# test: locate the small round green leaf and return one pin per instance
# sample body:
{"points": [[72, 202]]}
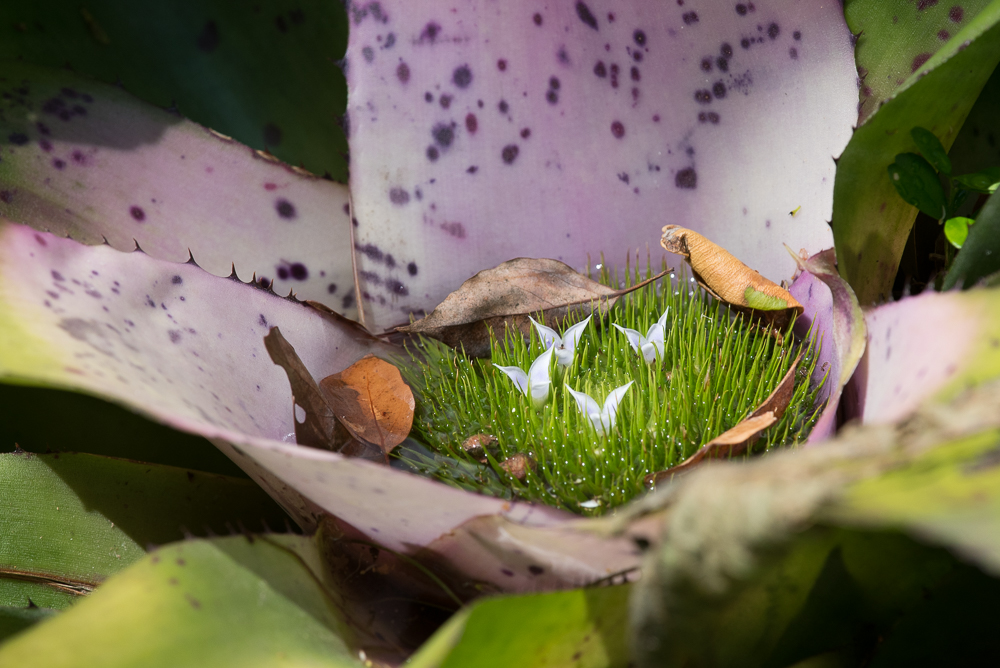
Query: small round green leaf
{"points": [[957, 230], [930, 147], [918, 184]]}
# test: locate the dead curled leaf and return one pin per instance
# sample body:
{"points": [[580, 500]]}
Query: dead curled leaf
{"points": [[366, 410], [735, 441], [729, 280], [320, 429], [504, 297], [371, 399]]}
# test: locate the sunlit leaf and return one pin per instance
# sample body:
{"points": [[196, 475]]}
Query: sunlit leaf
{"points": [[582, 627], [217, 381], [834, 317], [221, 602], [484, 135], [89, 161], [896, 38], [956, 230]]}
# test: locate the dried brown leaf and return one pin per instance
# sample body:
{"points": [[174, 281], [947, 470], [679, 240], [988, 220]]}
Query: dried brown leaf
{"points": [[320, 429], [735, 441], [725, 277], [372, 401], [504, 296]]}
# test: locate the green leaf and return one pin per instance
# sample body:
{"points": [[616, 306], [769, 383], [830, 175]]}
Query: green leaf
{"points": [[976, 147], [918, 184], [222, 602], [87, 424], [956, 230], [16, 619], [580, 627], [897, 37], [831, 549], [931, 148], [89, 161], [980, 255], [265, 74], [72, 520], [870, 222], [985, 181]]}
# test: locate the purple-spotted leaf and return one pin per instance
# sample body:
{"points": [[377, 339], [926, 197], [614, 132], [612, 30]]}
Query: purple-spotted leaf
{"points": [[896, 38], [564, 130], [87, 160], [934, 345], [833, 314], [187, 348]]}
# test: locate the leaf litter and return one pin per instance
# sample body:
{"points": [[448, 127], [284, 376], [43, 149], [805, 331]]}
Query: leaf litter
{"points": [[366, 410]]}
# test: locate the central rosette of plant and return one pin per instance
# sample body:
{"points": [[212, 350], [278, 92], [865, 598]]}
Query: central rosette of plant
{"points": [[585, 412]]}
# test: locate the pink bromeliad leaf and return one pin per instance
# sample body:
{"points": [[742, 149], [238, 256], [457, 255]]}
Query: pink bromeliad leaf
{"points": [[186, 348], [87, 160], [480, 132], [932, 346]]}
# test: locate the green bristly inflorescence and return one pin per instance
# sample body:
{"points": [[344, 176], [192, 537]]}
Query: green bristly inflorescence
{"points": [[717, 367]]}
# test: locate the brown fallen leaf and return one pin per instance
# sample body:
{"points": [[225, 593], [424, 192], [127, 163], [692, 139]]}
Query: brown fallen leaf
{"points": [[504, 297], [371, 399], [320, 429], [735, 441], [729, 280]]}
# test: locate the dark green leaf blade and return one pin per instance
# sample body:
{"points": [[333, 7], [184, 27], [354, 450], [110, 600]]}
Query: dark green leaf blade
{"points": [[931, 148], [984, 182], [980, 255], [265, 74], [917, 183], [73, 520]]}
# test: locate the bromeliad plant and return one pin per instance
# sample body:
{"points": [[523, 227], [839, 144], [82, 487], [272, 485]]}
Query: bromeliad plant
{"points": [[476, 135], [597, 429]]}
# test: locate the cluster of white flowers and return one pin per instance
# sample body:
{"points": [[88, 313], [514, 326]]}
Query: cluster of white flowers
{"points": [[537, 382]]}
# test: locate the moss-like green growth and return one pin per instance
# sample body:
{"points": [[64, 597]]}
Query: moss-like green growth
{"points": [[716, 368]]}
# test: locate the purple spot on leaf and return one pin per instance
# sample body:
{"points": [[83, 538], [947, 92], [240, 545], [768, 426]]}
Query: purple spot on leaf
{"points": [[285, 209], [137, 213]]}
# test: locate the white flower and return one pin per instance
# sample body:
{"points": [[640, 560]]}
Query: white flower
{"points": [[536, 383], [602, 419], [651, 345], [565, 345]]}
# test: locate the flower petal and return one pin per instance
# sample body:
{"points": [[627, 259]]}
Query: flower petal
{"points": [[539, 379], [588, 407], [609, 414], [548, 336], [517, 375]]}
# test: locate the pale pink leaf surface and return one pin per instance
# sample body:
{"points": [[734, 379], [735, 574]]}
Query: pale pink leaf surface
{"points": [[480, 132], [835, 318], [933, 345], [186, 348], [88, 160]]}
